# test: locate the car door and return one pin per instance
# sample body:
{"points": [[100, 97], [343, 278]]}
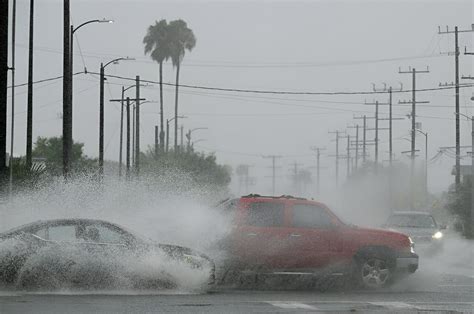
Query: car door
{"points": [[262, 235], [313, 235], [104, 239]]}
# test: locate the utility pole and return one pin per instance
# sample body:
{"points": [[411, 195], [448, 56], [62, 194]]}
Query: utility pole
{"points": [[101, 110], [356, 145], [472, 151], [243, 173], [472, 172], [390, 136], [364, 154], [318, 150], [156, 141], [128, 137], [273, 158], [121, 131], [390, 117], [456, 78], [338, 136], [29, 119], [122, 104], [377, 129], [67, 112], [348, 153], [413, 128], [4, 23], [357, 148], [295, 176], [133, 133], [365, 142], [137, 141], [182, 139], [101, 122], [12, 137], [167, 134]]}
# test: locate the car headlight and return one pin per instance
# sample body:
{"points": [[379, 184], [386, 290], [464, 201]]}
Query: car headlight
{"points": [[438, 235]]}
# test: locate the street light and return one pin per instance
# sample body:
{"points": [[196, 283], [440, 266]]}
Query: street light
{"points": [[188, 135], [71, 55], [168, 129], [101, 111], [68, 74]]}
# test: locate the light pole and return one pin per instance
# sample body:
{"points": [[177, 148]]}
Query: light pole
{"points": [[67, 107], [101, 112], [188, 135], [168, 129], [426, 162], [73, 30]]}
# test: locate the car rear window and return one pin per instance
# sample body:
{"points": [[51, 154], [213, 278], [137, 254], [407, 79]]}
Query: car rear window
{"points": [[265, 214], [310, 216]]}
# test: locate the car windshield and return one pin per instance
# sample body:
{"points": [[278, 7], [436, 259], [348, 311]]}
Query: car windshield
{"points": [[411, 221]]}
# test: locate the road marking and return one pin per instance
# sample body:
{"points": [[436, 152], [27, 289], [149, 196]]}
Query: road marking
{"points": [[8, 294], [292, 305], [394, 305], [456, 285]]}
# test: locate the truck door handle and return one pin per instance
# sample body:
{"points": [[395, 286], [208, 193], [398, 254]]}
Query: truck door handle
{"points": [[251, 234], [295, 235]]}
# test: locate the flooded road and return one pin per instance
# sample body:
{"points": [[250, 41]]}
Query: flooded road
{"points": [[444, 292]]}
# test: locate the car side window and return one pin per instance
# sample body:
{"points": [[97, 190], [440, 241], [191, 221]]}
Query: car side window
{"points": [[265, 214], [62, 233], [102, 234], [42, 233], [310, 216]]}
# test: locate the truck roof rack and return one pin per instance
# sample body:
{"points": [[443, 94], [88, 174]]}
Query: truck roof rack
{"points": [[276, 197]]}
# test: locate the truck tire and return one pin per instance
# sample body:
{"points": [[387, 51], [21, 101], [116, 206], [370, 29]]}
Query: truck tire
{"points": [[373, 270]]}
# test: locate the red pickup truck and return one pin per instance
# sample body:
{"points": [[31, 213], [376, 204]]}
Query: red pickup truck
{"points": [[287, 235]]}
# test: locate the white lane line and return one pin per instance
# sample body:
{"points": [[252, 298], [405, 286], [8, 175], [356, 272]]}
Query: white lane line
{"points": [[292, 305], [9, 294], [394, 305], [456, 285]]}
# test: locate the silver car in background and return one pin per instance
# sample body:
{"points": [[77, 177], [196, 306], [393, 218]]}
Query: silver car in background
{"points": [[421, 227]]}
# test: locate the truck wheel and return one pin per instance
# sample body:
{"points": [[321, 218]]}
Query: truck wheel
{"points": [[373, 271]]}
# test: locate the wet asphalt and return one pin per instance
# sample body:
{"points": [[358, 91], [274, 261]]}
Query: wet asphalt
{"points": [[423, 292]]}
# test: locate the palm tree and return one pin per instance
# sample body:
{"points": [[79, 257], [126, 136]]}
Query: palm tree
{"points": [[157, 44], [181, 39]]}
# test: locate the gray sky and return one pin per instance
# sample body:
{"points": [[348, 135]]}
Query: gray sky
{"points": [[281, 46]]}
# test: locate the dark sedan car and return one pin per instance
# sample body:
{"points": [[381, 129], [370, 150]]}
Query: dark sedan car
{"points": [[86, 253]]}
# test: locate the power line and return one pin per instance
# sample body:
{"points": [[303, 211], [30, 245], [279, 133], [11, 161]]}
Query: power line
{"points": [[231, 64], [45, 80], [254, 91]]}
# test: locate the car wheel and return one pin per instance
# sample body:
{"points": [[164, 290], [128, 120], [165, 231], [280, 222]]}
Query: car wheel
{"points": [[374, 272]]}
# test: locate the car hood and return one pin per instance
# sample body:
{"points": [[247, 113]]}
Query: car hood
{"points": [[415, 232], [380, 235]]}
